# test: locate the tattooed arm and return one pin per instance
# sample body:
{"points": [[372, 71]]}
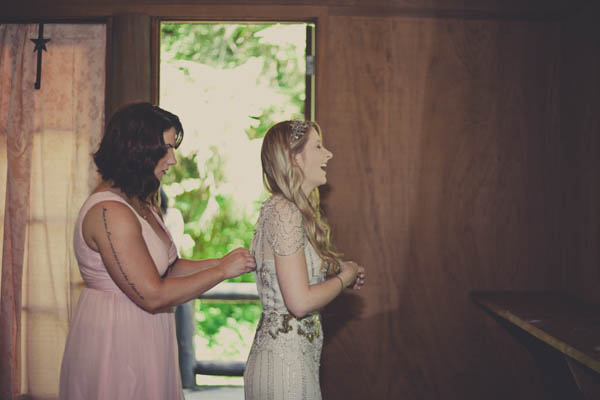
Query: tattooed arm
{"points": [[113, 230]]}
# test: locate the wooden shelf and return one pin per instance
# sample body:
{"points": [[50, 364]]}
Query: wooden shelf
{"points": [[565, 323]]}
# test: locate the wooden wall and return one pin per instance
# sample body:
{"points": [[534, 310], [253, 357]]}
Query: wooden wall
{"points": [[465, 157], [445, 134], [580, 131]]}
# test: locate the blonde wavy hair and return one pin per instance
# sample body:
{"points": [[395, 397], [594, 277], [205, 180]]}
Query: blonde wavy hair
{"points": [[282, 175]]}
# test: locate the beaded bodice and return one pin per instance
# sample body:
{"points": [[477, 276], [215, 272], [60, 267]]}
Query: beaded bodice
{"points": [[279, 231], [286, 352]]}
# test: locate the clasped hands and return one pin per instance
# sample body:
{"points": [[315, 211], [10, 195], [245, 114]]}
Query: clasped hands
{"points": [[358, 273]]}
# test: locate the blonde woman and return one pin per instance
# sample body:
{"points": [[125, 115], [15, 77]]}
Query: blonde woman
{"points": [[298, 272]]}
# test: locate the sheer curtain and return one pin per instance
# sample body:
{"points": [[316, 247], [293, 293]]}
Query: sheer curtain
{"points": [[46, 140]]}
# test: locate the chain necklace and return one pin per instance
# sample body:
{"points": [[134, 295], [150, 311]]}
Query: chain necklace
{"points": [[142, 211]]}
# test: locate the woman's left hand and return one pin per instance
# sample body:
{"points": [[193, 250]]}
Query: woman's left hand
{"points": [[360, 278]]}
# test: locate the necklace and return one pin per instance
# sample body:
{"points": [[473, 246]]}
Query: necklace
{"points": [[142, 210], [145, 213]]}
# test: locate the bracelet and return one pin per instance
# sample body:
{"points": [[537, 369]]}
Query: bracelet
{"points": [[341, 282]]}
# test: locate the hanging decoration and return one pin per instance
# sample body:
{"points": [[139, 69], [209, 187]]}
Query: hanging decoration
{"points": [[40, 44]]}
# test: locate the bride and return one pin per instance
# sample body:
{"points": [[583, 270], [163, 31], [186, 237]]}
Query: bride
{"points": [[298, 272]]}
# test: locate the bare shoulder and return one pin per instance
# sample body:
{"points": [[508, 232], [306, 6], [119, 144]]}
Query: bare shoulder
{"points": [[108, 216]]}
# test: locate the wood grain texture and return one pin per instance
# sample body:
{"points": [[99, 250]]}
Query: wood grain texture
{"points": [[559, 320], [129, 61], [580, 128], [446, 150], [535, 9], [466, 157]]}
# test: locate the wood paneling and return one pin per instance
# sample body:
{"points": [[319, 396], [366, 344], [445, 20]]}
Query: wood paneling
{"points": [[445, 138], [197, 8], [580, 130], [129, 61], [466, 157]]}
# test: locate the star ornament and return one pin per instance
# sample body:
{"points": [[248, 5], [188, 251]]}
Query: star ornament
{"points": [[40, 44]]}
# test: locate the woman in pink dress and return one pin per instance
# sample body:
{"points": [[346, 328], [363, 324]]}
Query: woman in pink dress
{"points": [[121, 343]]}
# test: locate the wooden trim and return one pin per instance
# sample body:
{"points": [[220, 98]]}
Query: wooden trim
{"points": [[171, 12], [107, 75], [309, 79], [130, 67], [320, 80], [155, 60], [231, 292], [421, 12], [40, 19], [247, 11], [220, 368]]}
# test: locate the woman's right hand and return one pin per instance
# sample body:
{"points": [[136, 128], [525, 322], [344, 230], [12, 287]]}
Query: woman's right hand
{"points": [[237, 262]]}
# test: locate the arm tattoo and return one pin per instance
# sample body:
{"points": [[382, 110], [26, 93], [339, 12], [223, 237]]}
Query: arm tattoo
{"points": [[108, 234]]}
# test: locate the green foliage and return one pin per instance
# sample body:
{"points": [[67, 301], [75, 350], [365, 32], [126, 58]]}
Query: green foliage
{"points": [[224, 233], [184, 169], [231, 45], [211, 317], [214, 44]]}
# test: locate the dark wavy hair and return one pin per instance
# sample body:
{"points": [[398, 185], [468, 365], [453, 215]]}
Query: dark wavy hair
{"points": [[132, 145]]}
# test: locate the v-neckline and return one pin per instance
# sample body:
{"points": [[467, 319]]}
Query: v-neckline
{"points": [[161, 225]]}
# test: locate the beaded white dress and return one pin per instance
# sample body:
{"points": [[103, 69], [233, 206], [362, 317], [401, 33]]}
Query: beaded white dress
{"points": [[284, 360]]}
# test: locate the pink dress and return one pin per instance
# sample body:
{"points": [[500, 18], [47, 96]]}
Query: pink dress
{"points": [[115, 350]]}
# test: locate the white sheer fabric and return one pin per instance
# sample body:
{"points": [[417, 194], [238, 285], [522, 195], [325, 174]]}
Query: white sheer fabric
{"points": [[58, 127]]}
